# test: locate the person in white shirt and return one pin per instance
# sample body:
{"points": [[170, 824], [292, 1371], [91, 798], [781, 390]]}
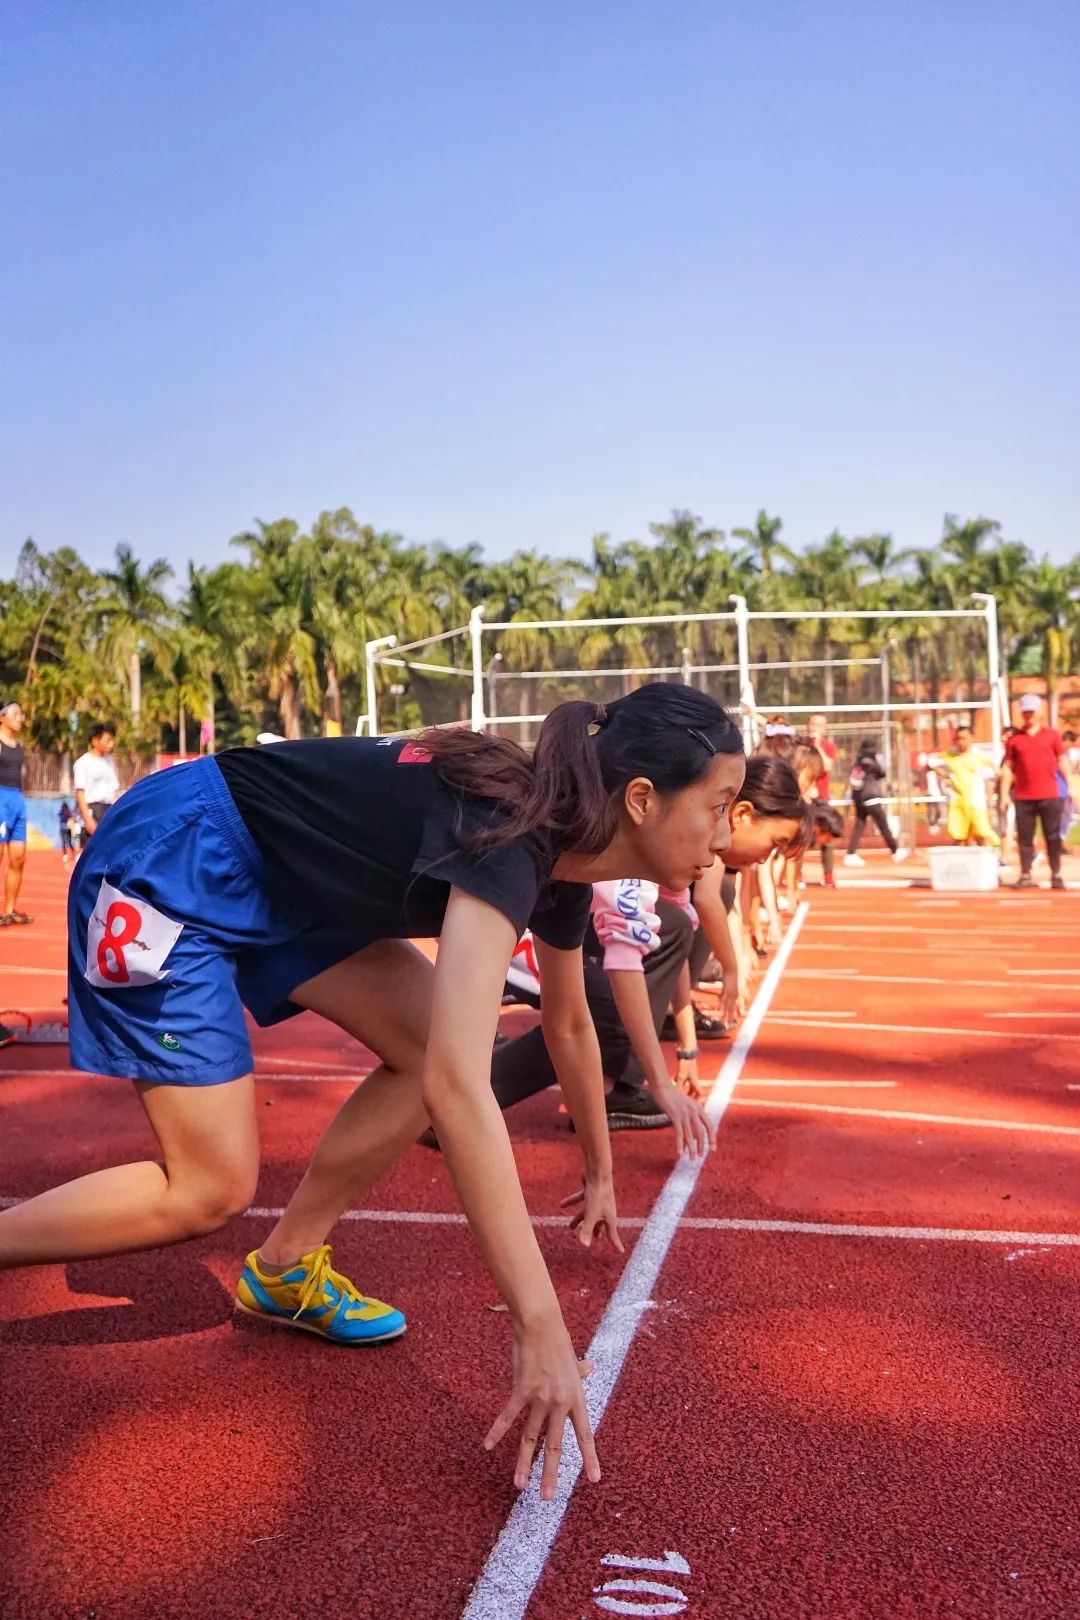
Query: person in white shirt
{"points": [[97, 785]]}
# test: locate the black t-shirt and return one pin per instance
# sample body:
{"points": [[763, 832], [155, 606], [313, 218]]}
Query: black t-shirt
{"points": [[11, 765], [359, 835]]}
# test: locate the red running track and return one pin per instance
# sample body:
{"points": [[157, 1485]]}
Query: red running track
{"points": [[829, 1409]]}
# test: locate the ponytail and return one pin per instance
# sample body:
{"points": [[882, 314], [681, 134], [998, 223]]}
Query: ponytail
{"points": [[585, 756]]}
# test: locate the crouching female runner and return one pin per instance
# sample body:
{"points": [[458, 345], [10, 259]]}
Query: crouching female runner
{"points": [[293, 877]]}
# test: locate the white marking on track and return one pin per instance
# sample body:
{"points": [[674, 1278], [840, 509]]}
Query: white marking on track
{"points": [[927, 1234], [1034, 973], [914, 1032], [702, 1223], [517, 1560], [922, 1119], [813, 1012], [990, 984], [830, 1085], [1042, 1012]]}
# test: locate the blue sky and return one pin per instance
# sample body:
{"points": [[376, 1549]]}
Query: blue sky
{"points": [[517, 273]]}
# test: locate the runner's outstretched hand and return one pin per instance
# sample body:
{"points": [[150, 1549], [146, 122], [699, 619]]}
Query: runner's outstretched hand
{"points": [[694, 1130], [548, 1388], [597, 1216]]}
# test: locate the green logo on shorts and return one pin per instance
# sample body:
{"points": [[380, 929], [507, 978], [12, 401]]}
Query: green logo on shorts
{"points": [[169, 1042]]}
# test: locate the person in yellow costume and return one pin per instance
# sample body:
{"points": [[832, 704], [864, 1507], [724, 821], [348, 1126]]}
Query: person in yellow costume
{"points": [[965, 772]]}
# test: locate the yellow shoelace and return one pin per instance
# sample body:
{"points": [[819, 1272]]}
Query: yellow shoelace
{"points": [[321, 1273]]}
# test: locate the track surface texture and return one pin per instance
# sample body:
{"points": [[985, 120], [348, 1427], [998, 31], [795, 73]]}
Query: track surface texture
{"points": [[849, 1385]]}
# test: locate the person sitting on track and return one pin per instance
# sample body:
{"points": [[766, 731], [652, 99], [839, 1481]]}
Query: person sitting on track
{"points": [[626, 978], [294, 877]]}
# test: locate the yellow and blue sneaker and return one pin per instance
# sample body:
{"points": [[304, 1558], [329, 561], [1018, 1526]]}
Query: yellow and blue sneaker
{"points": [[313, 1296]]}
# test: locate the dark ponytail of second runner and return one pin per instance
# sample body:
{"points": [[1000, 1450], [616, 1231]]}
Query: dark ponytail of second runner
{"points": [[585, 756]]}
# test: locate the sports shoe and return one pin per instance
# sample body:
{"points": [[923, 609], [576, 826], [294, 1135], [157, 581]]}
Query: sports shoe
{"points": [[854, 860], [1057, 882], [708, 1028], [16, 917], [318, 1299], [828, 881], [629, 1108], [1024, 881], [900, 855]]}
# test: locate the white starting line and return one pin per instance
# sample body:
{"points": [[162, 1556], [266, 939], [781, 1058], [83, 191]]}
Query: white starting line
{"points": [[517, 1560]]}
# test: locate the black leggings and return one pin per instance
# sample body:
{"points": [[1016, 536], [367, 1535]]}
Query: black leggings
{"points": [[1048, 811], [523, 1067], [875, 813]]}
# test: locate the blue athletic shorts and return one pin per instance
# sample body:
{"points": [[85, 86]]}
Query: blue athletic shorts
{"points": [[172, 932], [12, 816]]}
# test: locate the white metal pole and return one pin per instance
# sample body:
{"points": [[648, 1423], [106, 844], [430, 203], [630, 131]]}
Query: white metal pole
{"points": [[885, 693], [999, 716], [476, 633], [370, 650], [746, 690]]}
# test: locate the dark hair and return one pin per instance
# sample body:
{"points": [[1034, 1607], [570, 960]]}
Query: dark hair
{"points": [[868, 746], [103, 730], [1068, 736], [584, 757], [807, 757], [771, 788], [827, 819]]}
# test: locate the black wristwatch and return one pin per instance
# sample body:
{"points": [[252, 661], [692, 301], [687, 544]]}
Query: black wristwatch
{"points": [[686, 1054]]}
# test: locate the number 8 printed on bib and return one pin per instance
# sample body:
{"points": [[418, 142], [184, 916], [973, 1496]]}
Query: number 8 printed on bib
{"points": [[127, 941]]}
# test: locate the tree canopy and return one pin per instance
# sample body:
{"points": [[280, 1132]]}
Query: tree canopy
{"points": [[272, 637]]}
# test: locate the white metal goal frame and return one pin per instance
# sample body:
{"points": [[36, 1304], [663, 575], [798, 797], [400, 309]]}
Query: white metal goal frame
{"points": [[475, 678]]}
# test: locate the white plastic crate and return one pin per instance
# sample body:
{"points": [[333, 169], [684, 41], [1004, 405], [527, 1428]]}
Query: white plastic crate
{"points": [[963, 866]]}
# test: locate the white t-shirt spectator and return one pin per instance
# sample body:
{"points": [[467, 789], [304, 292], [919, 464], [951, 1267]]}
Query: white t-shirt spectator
{"points": [[95, 775]]}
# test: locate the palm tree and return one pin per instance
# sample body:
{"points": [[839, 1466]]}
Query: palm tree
{"points": [[282, 640], [216, 614], [763, 543], [136, 616]]}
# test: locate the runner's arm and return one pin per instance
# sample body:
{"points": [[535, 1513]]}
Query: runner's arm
{"points": [[570, 1037], [714, 920], [693, 1129], [474, 950]]}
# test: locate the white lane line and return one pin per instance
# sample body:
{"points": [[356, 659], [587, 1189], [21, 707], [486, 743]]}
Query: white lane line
{"points": [[59, 973], [885, 947], [914, 1032], [517, 1560], [830, 1085], [889, 929], [1034, 973], [897, 1113], [995, 986], [932, 1234], [296, 1064], [1042, 1012], [814, 1012], [701, 1223]]}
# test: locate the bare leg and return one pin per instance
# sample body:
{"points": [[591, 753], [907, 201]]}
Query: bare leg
{"points": [[14, 876], [210, 1145], [382, 996]]}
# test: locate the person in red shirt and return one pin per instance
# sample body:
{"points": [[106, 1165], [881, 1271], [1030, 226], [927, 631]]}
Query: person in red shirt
{"points": [[1034, 758], [818, 730]]}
